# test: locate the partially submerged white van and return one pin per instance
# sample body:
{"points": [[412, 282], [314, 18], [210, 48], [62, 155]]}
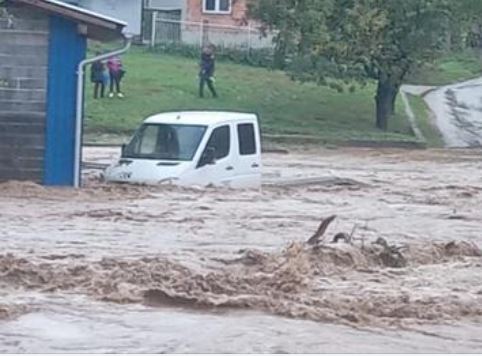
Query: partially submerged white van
{"points": [[193, 148]]}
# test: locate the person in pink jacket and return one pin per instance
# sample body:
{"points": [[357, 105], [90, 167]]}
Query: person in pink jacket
{"points": [[116, 73]]}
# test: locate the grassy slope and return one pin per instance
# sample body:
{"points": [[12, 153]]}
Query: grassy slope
{"points": [[448, 70], [156, 83], [428, 128]]}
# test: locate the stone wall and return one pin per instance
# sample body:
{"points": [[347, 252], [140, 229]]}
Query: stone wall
{"points": [[23, 89]]}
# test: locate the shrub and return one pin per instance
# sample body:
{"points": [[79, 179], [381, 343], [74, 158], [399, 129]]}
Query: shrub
{"points": [[262, 57]]}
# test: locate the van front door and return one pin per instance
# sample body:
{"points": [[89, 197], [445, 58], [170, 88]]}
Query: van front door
{"points": [[248, 162], [216, 163]]}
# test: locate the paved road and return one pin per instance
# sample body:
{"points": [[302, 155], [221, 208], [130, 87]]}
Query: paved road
{"points": [[457, 109]]}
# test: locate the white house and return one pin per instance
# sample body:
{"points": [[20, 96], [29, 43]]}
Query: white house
{"points": [[137, 13], [129, 11]]}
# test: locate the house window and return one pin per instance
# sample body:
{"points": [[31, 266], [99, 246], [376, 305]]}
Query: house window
{"points": [[217, 6]]}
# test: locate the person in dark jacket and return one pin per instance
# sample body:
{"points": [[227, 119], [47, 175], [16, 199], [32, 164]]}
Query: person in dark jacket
{"points": [[206, 75], [97, 77]]}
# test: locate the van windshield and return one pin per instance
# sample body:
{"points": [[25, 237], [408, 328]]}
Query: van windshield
{"points": [[165, 142]]}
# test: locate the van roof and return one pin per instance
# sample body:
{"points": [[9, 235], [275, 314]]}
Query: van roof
{"points": [[199, 117]]}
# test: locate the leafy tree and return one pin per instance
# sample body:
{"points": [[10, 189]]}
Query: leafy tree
{"points": [[295, 22], [361, 40], [472, 22]]}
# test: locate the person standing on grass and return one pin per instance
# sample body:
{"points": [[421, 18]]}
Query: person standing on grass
{"points": [[206, 75], [116, 72], [97, 77], [106, 75]]}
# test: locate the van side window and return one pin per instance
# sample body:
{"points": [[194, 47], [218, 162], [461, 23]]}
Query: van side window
{"points": [[220, 141], [247, 140]]}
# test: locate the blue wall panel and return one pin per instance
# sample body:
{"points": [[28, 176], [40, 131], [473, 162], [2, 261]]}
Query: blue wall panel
{"points": [[66, 49]]}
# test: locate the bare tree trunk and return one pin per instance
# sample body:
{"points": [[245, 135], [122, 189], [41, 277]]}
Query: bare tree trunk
{"points": [[479, 27], [398, 84], [279, 61], [385, 101], [394, 99]]}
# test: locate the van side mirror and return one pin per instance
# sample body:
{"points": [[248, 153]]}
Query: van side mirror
{"points": [[123, 150]]}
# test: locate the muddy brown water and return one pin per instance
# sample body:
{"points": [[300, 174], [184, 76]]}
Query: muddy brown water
{"points": [[139, 269]]}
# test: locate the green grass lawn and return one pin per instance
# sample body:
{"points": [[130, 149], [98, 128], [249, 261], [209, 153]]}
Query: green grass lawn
{"points": [[425, 122], [156, 83], [450, 69]]}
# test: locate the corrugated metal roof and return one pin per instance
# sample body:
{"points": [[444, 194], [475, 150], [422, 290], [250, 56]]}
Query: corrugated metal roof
{"points": [[99, 26]]}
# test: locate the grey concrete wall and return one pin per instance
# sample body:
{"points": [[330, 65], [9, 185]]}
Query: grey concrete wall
{"points": [[23, 87]]}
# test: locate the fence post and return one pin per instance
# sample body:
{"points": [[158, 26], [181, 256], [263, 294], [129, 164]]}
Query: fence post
{"points": [[201, 34], [249, 39], [153, 29]]}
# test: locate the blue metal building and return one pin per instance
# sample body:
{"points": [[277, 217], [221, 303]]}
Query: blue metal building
{"points": [[42, 46]]}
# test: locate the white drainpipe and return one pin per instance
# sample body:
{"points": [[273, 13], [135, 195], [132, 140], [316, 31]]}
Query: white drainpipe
{"points": [[79, 120]]}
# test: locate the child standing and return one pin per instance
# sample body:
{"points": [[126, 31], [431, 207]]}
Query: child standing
{"points": [[106, 75], [97, 77], [116, 72]]}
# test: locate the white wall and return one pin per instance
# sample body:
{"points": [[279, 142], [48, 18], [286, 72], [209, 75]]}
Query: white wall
{"points": [[129, 11]]}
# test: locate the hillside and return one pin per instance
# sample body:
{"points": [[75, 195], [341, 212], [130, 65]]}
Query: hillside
{"points": [[156, 82]]}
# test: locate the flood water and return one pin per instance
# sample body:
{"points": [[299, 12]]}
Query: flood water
{"points": [[139, 269]]}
